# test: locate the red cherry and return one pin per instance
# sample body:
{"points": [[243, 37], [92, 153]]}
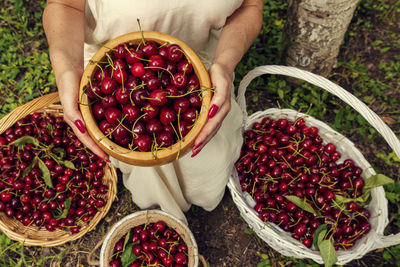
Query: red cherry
{"points": [[108, 85], [174, 53], [143, 142], [132, 56], [113, 115], [156, 61], [179, 80], [158, 97], [138, 69], [167, 116], [131, 113], [122, 95]]}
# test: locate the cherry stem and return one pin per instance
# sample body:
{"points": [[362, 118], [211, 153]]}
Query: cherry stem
{"points": [[189, 92], [179, 140], [141, 59], [154, 147], [134, 124], [160, 68], [141, 32], [109, 134]]}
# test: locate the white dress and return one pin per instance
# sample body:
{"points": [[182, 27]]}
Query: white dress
{"points": [[200, 180]]}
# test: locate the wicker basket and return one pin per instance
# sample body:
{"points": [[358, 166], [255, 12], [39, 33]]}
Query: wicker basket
{"points": [[30, 235], [149, 216], [277, 238], [135, 157]]}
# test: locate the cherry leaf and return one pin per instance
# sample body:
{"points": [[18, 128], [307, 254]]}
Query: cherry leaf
{"points": [[127, 256], [67, 205], [377, 180], [127, 238], [301, 203], [341, 200], [68, 164], [328, 252], [45, 173], [60, 152], [319, 235], [29, 167], [25, 140]]}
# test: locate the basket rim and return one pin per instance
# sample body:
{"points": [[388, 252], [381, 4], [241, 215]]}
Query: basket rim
{"points": [[146, 158]]}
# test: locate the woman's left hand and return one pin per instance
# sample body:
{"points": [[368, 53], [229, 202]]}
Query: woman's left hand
{"points": [[239, 32], [220, 105]]}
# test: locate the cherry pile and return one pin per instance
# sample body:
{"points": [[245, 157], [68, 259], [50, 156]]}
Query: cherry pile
{"points": [[151, 244], [48, 179], [145, 97], [282, 160]]}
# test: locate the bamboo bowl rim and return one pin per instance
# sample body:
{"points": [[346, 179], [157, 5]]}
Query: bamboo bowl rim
{"points": [[135, 157], [30, 235]]}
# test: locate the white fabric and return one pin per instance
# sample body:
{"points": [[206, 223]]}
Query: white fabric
{"points": [[200, 180]]}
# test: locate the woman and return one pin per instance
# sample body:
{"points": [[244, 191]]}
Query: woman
{"points": [[219, 31]]}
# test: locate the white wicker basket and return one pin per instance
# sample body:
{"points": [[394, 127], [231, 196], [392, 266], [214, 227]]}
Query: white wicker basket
{"points": [[274, 236]]}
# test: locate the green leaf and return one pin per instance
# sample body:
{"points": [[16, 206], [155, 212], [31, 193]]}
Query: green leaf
{"points": [[25, 140], [281, 93], [67, 205], [340, 200], [29, 167], [301, 203], [377, 180], [319, 234], [60, 152], [249, 231], [127, 256], [68, 164], [328, 252], [127, 238], [45, 173]]}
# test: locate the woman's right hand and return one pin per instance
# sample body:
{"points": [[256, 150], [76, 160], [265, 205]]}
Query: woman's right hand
{"points": [[69, 97], [63, 22]]}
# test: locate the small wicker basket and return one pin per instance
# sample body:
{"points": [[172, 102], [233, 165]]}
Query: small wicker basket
{"points": [[277, 238], [149, 216], [135, 157], [30, 235]]}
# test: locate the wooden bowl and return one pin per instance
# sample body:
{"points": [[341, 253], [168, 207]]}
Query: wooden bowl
{"points": [[135, 157]]}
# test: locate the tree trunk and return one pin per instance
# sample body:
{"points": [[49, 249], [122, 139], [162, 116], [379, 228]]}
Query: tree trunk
{"points": [[314, 32]]}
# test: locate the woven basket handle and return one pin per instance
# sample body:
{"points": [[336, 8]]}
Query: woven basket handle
{"points": [[351, 100], [30, 107]]}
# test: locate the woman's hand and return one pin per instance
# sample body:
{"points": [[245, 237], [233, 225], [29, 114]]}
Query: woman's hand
{"points": [[239, 32], [63, 22], [69, 97], [219, 107]]}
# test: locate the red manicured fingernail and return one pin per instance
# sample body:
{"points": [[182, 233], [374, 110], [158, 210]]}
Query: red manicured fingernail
{"points": [[213, 110], [80, 126], [197, 146], [195, 153]]}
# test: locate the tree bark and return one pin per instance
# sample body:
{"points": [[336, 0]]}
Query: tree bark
{"points": [[314, 31]]}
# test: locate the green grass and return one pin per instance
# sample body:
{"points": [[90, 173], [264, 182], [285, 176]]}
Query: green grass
{"points": [[25, 70], [25, 73]]}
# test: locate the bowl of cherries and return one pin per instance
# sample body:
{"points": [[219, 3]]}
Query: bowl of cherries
{"points": [[149, 238], [144, 97]]}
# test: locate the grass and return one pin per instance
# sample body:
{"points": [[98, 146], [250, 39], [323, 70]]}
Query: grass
{"points": [[368, 66]]}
